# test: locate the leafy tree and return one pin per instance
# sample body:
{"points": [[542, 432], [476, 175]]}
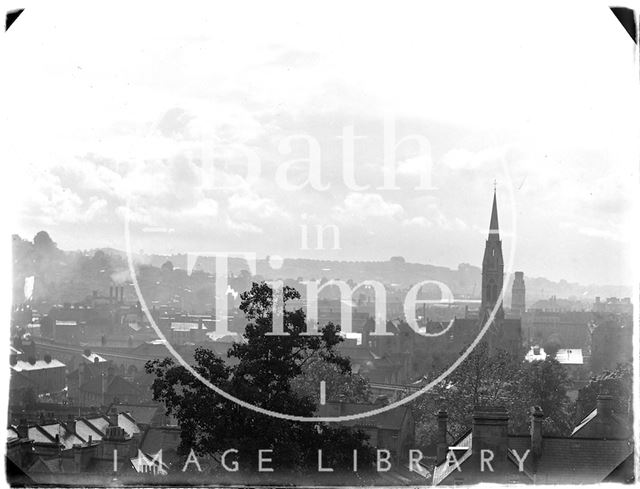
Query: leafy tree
{"points": [[543, 384], [485, 378], [263, 376], [552, 344], [43, 242], [617, 383], [340, 386], [492, 378]]}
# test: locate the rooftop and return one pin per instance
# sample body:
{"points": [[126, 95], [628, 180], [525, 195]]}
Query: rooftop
{"points": [[23, 366], [565, 356]]}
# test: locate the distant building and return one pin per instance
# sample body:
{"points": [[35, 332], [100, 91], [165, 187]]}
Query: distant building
{"points": [[613, 305], [611, 343], [571, 327], [518, 294], [96, 387], [553, 304], [43, 376], [504, 334], [571, 359], [492, 268]]}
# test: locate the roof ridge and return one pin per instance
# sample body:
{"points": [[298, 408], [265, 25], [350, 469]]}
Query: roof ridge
{"points": [[92, 426], [45, 433]]}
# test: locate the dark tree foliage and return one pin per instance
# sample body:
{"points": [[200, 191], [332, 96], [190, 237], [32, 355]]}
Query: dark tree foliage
{"points": [[495, 378], [552, 344], [617, 383], [543, 384], [266, 366], [339, 387]]}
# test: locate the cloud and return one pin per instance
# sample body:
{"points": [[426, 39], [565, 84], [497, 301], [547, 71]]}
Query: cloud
{"points": [[602, 233], [247, 204], [363, 205]]}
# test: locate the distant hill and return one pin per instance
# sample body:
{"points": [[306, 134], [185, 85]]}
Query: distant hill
{"points": [[71, 275]]}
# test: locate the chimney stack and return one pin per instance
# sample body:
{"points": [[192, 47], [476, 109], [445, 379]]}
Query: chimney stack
{"points": [[490, 431], [604, 403], [442, 445], [537, 415], [71, 424], [77, 458], [113, 417], [605, 423], [104, 388], [23, 429]]}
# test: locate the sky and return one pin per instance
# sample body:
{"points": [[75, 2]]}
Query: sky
{"points": [[155, 112]]}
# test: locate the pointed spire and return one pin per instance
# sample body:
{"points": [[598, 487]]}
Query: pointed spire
{"points": [[493, 226]]}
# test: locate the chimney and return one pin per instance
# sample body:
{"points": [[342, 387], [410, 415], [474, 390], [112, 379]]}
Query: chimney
{"points": [[490, 431], [77, 458], [80, 377], [114, 433], [104, 387], [23, 429], [71, 424], [605, 424], [537, 415], [442, 446], [604, 403], [113, 417]]}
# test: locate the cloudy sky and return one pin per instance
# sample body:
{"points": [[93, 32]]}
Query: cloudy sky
{"points": [[156, 111]]}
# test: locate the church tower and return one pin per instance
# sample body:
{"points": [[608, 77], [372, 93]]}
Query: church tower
{"points": [[518, 294], [492, 267]]}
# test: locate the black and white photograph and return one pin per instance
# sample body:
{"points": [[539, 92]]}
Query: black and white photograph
{"points": [[320, 243]]}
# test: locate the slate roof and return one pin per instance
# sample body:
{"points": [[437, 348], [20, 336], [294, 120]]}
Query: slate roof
{"points": [[594, 426], [563, 460], [142, 413], [96, 426], [574, 460], [46, 433], [442, 471], [165, 438]]}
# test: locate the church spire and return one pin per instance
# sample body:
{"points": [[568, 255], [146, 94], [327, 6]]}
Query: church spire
{"points": [[493, 226], [492, 266]]}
